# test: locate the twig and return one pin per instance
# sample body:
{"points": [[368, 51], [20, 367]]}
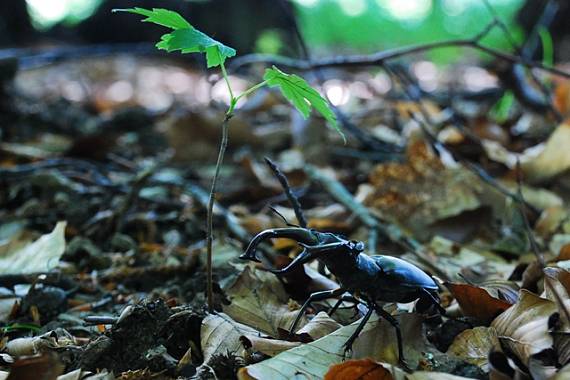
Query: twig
{"points": [[55, 163], [31, 58], [293, 200], [525, 91], [91, 320], [387, 55]]}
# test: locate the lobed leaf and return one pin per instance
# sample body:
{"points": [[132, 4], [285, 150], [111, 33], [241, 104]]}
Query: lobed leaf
{"points": [[194, 41], [185, 37], [297, 91], [164, 17]]}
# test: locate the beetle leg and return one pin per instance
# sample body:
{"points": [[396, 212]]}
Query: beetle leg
{"points": [[347, 298], [318, 296], [356, 333], [394, 322], [430, 297]]}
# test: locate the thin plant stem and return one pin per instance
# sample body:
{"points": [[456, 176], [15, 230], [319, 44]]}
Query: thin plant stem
{"points": [[210, 213], [226, 79], [250, 90], [212, 195]]}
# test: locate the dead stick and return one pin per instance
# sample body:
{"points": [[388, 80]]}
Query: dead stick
{"points": [[386, 55], [287, 189]]}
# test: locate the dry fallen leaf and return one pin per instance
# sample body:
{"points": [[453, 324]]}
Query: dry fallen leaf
{"points": [[553, 159], [41, 367], [523, 328], [476, 302], [220, 334], [376, 341], [267, 346], [38, 256], [321, 325], [422, 191], [259, 300], [559, 288], [50, 341], [474, 345], [365, 369]]}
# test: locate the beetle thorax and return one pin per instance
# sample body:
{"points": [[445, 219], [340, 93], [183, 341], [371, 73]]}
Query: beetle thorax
{"points": [[340, 263]]}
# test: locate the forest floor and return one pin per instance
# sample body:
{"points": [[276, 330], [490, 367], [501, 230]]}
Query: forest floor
{"points": [[105, 168]]}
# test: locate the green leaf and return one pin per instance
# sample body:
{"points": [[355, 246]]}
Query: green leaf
{"points": [[185, 37], [194, 41], [160, 16], [301, 95]]}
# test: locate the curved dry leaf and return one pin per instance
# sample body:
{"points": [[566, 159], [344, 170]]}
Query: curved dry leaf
{"points": [[505, 290], [550, 220], [50, 341], [39, 256], [321, 325], [476, 302], [562, 374], [558, 288], [560, 280], [259, 300], [364, 369], [474, 345], [376, 341], [552, 160], [381, 344], [523, 328], [220, 334], [41, 367], [540, 369], [267, 346]]}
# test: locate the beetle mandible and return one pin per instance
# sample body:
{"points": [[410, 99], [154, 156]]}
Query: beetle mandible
{"points": [[371, 279]]}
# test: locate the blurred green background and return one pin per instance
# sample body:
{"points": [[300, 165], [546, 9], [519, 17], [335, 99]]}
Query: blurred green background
{"points": [[349, 26]]}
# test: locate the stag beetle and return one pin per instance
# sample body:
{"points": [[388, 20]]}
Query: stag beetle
{"points": [[368, 278]]}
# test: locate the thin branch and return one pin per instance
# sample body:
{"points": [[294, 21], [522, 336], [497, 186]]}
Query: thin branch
{"points": [[210, 212], [520, 52], [387, 55], [293, 200]]}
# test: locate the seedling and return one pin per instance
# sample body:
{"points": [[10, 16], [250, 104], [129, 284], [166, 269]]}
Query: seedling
{"points": [[187, 39]]}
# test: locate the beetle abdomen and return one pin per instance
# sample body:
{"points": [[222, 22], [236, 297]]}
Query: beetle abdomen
{"points": [[403, 273]]}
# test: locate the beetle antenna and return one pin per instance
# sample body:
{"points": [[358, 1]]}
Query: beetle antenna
{"points": [[282, 217]]}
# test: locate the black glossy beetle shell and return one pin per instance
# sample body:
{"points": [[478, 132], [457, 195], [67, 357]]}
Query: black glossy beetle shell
{"points": [[403, 273]]}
